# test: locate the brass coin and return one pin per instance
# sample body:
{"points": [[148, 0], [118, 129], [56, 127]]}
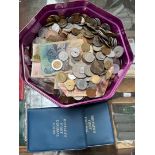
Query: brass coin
{"points": [[61, 77], [75, 31], [108, 63], [91, 92], [85, 47], [105, 50], [97, 67], [70, 85], [95, 79]]}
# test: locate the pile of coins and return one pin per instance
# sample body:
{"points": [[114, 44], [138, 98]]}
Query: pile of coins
{"points": [[92, 66]]}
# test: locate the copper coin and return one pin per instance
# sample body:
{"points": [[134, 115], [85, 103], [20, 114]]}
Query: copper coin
{"points": [[106, 50], [75, 31], [62, 23], [85, 47], [97, 67], [91, 92], [76, 18]]}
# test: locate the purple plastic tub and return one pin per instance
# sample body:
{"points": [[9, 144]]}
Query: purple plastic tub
{"points": [[30, 31]]}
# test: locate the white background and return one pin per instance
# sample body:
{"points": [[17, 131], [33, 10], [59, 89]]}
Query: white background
{"points": [[145, 77]]}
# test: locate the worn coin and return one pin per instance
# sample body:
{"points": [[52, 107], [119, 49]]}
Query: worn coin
{"points": [[111, 55], [97, 67], [68, 28], [95, 79], [87, 70], [106, 26], [78, 98], [55, 27], [61, 77], [88, 57], [70, 85], [116, 68], [118, 51], [97, 49], [108, 63], [63, 56], [62, 23], [91, 92], [57, 64], [81, 84], [106, 50], [85, 47], [100, 56], [97, 42], [75, 31], [78, 70], [88, 34]]}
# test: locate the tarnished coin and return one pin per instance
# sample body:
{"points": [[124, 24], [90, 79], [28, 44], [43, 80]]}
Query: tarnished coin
{"points": [[70, 85], [95, 79], [97, 49], [57, 64], [97, 42], [91, 92], [63, 35], [61, 77], [108, 63], [76, 26], [93, 22], [97, 67], [68, 28], [81, 84], [53, 18], [62, 23], [88, 57], [78, 70], [106, 50], [116, 68], [87, 70], [76, 18], [100, 56], [63, 56], [75, 31], [111, 55], [119, 50], [106, 26], [88, 34], [75, 52], [85, 47]]}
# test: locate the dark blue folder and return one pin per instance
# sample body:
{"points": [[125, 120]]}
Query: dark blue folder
{"points": [[68, 129]]}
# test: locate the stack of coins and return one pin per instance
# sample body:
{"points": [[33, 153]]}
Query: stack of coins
{"points": [[83, 68]]}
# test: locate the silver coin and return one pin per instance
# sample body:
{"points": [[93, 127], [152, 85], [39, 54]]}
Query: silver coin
{"points": [[87, 71], [116, 68], [100, 56], [78, 98], [81, 84], [68, 28], [77, 26], [89, 57], [82, 21], [97, 49], [75, 52], [77, 70], [112, 54], [108, 59], [119, 50], [63, 56], [71, 76], [55, 27]]}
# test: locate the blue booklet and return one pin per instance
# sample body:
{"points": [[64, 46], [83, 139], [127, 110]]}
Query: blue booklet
{"points": [[69, 129]]}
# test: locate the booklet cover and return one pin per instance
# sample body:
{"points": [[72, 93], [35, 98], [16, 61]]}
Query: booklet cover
{"points": [[69, 129]]}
